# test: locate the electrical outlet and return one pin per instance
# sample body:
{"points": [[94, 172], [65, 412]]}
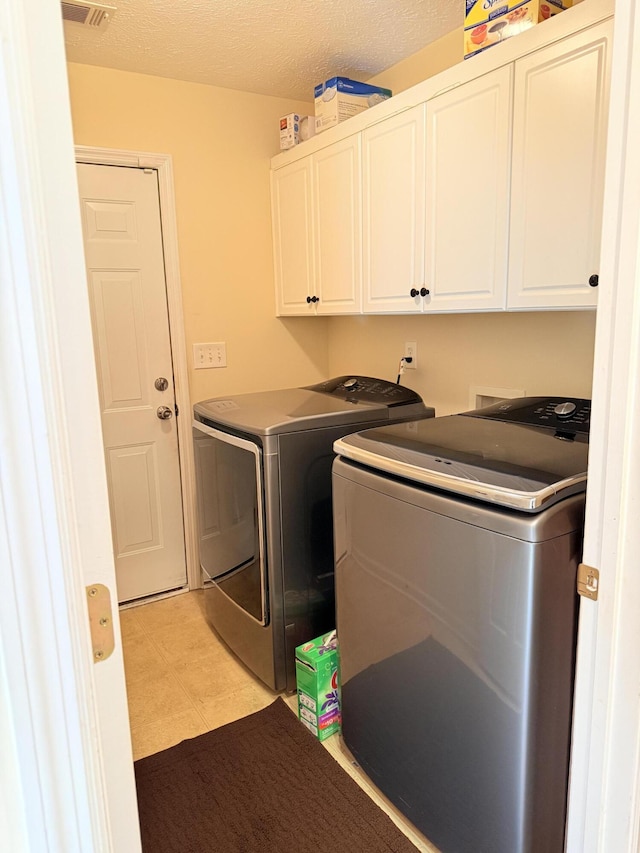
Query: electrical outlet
{"points": [[209, 355], [411, 351]]}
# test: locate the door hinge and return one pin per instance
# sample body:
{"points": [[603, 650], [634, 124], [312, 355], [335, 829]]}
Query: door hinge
{"points": [[588, 581], [100, 621], [177, 412]]}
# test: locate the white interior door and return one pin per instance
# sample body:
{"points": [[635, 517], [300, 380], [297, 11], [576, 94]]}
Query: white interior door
{"points": [[125, 273]]}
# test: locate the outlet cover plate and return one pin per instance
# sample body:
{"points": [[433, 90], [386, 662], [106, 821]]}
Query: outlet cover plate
{"points": [[411, 351]]}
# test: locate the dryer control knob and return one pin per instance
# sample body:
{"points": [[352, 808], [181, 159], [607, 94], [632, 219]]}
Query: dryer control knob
{"points": [[350, 383], [564, 410]]}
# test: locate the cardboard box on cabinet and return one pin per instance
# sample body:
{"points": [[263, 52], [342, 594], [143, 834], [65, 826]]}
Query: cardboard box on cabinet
{"points": [[340, 98], [488, 22], [296, 128]]}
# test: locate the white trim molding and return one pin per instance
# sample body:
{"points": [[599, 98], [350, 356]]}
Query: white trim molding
{"points": [[64, 786], [163, 165], [604, 791]]}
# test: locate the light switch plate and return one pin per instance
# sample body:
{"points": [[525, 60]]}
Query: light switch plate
{"points": [[210, 355]]}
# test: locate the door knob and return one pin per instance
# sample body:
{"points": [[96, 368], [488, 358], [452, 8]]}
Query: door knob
{"points": [[414, 292], [424, 291], [161, 384], [164, 413]]}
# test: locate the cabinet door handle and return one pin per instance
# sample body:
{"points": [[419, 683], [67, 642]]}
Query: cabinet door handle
{"points": [[414, 292], [424, 291], [594, 280], [313, 299]]}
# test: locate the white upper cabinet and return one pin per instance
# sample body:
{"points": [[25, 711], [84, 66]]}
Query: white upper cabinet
{"points": [[317, 232], [337, 192], [393, 212], [467, 185], [292, 215], [559, 138], [436, 214], [480, 189]]}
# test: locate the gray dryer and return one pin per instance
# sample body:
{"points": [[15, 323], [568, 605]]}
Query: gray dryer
{"points": [[263, 475]]}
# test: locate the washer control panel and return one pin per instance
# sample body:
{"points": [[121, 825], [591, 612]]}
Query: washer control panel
{"points": [[564, 414], [367, 389]]}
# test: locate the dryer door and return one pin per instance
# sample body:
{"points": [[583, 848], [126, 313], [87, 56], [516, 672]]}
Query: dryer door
{"points": [[229, 481]]}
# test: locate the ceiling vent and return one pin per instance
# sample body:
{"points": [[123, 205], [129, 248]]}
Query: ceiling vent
{"points": [[94, 15]]}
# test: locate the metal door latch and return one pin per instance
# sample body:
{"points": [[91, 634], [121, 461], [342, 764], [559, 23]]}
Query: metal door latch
{"points": [[588, 581], [100, 621]]}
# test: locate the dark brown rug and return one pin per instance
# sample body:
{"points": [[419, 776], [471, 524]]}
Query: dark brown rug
{"points": [[261, 784]]}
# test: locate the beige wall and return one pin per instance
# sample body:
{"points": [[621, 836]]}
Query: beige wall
{"points": [[540, 353], [221, 143], [432, 59]]}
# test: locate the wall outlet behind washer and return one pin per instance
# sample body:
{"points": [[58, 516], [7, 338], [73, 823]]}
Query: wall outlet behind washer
{"points": [[411, 351]]}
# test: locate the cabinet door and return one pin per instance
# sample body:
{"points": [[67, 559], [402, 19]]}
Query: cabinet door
{"points": [[560, 121], [393, 214], [467, 186], [337, 193], [292, 213]]}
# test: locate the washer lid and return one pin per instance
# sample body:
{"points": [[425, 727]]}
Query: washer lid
{"points": [[511, 464], [345, 400]]}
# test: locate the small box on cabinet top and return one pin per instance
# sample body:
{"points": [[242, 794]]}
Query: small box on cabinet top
{"points": [[488, 22], [340, 98], [295, 128]]}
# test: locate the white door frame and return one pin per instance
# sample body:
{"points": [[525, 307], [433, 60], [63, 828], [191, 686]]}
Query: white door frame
{"points": [[604, 792], [54, 514], [66, 772], [163, 164]]}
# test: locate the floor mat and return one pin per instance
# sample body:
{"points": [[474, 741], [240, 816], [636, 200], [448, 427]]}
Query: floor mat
{"points": [[262, 783]]}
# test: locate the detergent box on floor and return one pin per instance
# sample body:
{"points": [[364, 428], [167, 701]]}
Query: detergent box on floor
{"points": [[340, 98], [317, 676], [488, 22]]}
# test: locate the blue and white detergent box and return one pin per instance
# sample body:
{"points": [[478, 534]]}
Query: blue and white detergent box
{"points": [[318, 683], [340, 98]]}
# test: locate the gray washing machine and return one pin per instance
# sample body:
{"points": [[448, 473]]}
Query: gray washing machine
{"points": [[457, 541], [263, 477]]}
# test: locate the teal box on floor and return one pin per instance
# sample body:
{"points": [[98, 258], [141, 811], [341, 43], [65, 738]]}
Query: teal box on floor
{"points": [[318, 682]]}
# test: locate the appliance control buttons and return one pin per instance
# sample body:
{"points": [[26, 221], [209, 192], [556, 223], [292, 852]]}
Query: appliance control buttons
{"points": [[564, 410], [351, 383]]}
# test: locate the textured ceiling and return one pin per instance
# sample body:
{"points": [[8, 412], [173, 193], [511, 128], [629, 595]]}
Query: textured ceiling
{"points": [[272, 47]]}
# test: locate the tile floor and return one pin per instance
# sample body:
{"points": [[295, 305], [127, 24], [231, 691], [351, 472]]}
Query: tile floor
{"points": [[182, 681]]}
